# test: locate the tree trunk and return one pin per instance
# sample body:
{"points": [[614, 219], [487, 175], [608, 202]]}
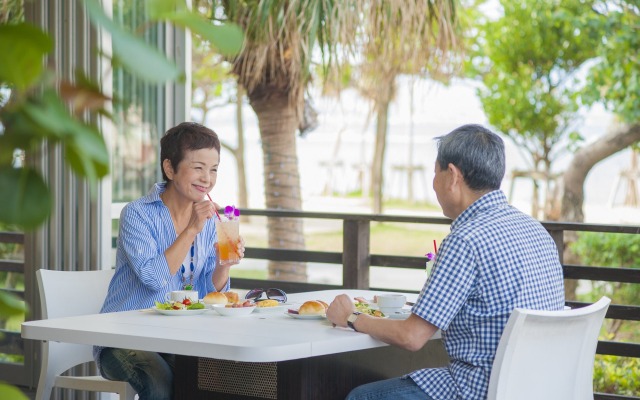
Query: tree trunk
{"points": [[278, 121], [618, 138], [377, 175], [243, 195]]}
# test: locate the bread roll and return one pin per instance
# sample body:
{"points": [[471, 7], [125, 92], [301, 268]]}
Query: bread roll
{"points": [[323, 303], [232, 297], [215, 298], [312, 307]]}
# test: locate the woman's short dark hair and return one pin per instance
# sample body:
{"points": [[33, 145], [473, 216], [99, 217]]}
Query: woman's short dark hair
{"points": [[477, 152], [182, 137]]}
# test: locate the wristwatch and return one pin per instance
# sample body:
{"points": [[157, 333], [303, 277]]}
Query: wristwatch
{"points": [[351, 319]]}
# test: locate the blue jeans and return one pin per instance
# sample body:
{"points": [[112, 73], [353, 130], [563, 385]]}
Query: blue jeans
{"points": [[391, 389], [149, 373]]}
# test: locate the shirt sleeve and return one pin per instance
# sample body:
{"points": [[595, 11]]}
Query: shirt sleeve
{"points": [[142, 249], [449, 285]]}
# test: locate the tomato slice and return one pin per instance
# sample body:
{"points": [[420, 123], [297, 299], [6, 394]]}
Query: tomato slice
{"points": [[186, 302]]}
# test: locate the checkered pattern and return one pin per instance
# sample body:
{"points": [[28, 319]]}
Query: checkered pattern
{"points": [[495, 259]]}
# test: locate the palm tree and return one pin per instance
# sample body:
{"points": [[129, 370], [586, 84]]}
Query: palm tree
{"points": [[406, 38], [274, 67]]}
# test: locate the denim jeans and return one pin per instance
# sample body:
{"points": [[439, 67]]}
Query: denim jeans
{"points": [[391, 389], [149, 373]]}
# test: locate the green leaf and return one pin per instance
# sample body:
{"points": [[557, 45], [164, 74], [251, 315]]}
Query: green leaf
{"points": [[136, 56], [25, 199], [87, 153], [22, 47], [49, 114], [11, 305], [158, 9], [227, 39], [11, 392]]}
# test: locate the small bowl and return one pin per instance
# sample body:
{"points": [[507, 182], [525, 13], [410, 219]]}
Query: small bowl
{"points": [[232, 311]]}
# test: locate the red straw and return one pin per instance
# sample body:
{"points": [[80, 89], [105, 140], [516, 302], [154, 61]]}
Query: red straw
{"points": [[214, 209], [435, 248]]}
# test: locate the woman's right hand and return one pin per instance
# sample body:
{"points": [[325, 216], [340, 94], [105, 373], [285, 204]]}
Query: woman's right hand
{"points": [[201, 212]]}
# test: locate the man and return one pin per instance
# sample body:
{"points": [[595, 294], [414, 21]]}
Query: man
{"points": [[495, 259]]}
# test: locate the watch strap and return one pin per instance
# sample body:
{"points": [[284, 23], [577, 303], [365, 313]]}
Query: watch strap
{"points": [[352, 318]]}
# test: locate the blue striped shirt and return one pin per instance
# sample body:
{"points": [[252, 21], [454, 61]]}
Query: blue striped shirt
{"points": [[495, 259], [142, 274]]}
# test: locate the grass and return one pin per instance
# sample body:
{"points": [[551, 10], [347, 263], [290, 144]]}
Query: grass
{"points": [[386, 238]]}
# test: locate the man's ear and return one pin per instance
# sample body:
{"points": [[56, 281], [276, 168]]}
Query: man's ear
{"points": [[167, 168], [455, 173]]}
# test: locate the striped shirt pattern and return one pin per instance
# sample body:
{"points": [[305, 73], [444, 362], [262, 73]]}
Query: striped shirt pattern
{"points": [[142, 274], [495, 259]]}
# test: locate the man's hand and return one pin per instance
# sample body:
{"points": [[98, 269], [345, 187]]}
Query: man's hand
{"points": [[340, 309]]}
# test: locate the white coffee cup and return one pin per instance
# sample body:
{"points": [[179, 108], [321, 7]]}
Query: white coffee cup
{"points": [[179, 295], [391, 303]]}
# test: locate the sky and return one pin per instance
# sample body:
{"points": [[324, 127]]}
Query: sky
{"points": [[345, 140]]}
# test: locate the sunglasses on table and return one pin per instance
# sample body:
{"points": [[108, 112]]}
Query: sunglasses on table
{"points": [[272, 293]]}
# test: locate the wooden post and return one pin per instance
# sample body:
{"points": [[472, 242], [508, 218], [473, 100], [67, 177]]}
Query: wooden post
{"points": [[355, 254], [558, 237]]}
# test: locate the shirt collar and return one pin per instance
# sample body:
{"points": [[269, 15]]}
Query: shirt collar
{"points": [[490, 200], [154, 193]]}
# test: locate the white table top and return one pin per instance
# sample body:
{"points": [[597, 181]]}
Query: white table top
{"points": [[258, 337]]}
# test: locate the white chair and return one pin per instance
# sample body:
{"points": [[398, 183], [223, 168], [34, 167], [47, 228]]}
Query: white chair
{"points": [[548, 354], [65, 294]]}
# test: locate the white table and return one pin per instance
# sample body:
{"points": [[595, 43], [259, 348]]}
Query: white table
{"points": [[256, 338]]}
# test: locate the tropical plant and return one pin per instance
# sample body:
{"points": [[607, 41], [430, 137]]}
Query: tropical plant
{"points": [[37, 106], [274, 68], [618, 375], [213, 86], [402, 38], [610, 249], [528, 60], [613, 374], [613, 80]]}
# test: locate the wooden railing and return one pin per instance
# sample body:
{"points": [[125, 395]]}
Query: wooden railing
{"points": [[356, 260]]}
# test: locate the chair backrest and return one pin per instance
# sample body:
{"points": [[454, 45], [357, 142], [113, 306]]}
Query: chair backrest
{"points": [[69, 293], [548, 354]]}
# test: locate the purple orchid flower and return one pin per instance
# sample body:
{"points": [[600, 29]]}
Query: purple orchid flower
{"points": [[231, 212]]}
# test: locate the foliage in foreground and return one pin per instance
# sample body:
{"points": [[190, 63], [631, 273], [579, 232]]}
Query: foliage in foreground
{"points": [[613, 374], [617, 375]]}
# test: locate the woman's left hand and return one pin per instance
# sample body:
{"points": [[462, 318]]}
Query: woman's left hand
{"points": [[239, 251]]}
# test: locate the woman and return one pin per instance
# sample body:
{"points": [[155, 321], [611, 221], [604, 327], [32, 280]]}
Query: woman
{"points": [[161, 236]]}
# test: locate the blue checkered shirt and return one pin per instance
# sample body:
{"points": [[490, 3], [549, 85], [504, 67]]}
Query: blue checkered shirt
{"points": [[495, 259]]}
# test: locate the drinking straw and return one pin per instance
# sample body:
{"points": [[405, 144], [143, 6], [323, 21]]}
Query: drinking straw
{"points": [[435, 248], [220, 219]]}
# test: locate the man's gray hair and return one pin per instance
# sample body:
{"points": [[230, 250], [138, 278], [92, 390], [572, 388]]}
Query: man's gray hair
{"points": [[477, 152]]}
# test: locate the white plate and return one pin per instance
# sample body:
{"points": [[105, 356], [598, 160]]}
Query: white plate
{"points": [[298, 316], [180, 312], [279, 307], [233, 311], [404, 314]]}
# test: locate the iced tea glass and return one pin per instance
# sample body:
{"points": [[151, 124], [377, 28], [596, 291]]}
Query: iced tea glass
{"points": [[228, 238]]}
